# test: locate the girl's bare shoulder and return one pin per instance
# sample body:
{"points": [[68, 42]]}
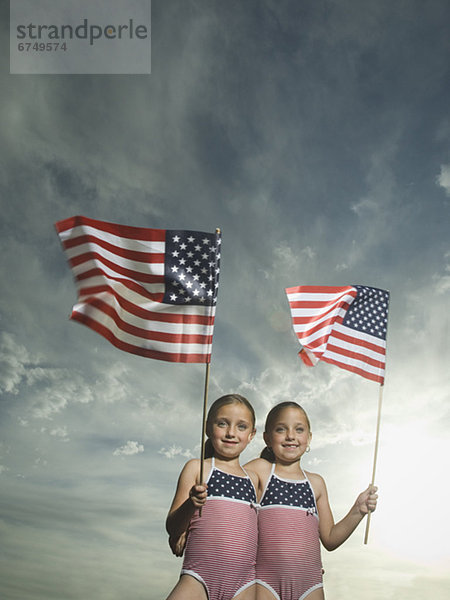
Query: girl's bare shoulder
{"points": [[192, 467], [259, 471], [260, 466], [317, 481], [193, 463], [310, 473]]}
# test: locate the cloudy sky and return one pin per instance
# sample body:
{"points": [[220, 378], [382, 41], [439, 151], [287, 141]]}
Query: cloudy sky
{"points": [[315, 134]]}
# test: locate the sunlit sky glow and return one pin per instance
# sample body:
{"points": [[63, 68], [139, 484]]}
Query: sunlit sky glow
{"points": [[315, 134]]}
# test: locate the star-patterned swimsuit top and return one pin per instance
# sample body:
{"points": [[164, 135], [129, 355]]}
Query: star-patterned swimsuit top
{"points": [[289, 493], [233, 487]]}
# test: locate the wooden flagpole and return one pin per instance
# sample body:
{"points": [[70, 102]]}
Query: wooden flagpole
{"points": [[205, 408], [377, 437], [205, 404]]}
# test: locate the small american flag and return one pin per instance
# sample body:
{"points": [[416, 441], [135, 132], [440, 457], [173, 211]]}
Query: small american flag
{"points": [[345, 326], [151, 292]]}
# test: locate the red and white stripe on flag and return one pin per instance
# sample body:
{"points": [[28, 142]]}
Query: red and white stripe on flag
{"points": [[151, 292], [345, 326]]}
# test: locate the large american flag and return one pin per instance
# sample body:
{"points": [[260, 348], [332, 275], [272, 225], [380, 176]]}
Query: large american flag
{"points": [[151, 292], [345, 326]]}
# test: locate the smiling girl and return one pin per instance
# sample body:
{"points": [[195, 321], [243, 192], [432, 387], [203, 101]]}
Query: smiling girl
{"points": [[294, 512], [221, 546]]}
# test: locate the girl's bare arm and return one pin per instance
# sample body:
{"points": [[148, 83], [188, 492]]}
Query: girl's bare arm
{"points": [[334, 534], [189, 496]]}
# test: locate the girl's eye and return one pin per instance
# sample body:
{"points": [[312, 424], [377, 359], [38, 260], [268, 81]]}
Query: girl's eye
{"points": [[300, 429], [221, 424], [242, 427], [279, 429]]}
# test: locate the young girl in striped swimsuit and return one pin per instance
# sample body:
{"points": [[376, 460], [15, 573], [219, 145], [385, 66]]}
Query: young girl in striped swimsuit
{"points": [[221, 545], [294, 511]]}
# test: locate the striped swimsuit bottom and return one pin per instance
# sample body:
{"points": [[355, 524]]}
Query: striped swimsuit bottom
{"points": [[222, 542], [288, 561]]}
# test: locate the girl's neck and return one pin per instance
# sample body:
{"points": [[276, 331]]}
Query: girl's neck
{"points": [[232, 465], [290, 470]]}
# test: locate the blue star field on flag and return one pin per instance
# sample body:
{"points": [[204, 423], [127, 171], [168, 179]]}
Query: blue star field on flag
{"points": [[368, 312], [192, 267]]}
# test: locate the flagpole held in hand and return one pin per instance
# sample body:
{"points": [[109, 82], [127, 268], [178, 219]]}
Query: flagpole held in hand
{"points": [[377, 437], [205, 404]]}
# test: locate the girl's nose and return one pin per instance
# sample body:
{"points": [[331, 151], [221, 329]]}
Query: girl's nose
{"points": [[289, 435], [230, 432]]}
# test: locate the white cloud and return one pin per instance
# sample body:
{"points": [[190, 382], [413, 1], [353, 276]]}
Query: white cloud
{"points": [[443, 179], [14, 359], [175, 451], [129, 449], [364, 207], [288, 259], [61, 433], [55, 390], [442, 282], [342, 267]]}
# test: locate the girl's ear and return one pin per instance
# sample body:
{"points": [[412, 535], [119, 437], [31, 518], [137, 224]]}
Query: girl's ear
{"points": [[266, 439], [252, 435]]}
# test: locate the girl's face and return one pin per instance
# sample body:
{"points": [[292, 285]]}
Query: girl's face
{"points": [[289, 435], [231, 430]]}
